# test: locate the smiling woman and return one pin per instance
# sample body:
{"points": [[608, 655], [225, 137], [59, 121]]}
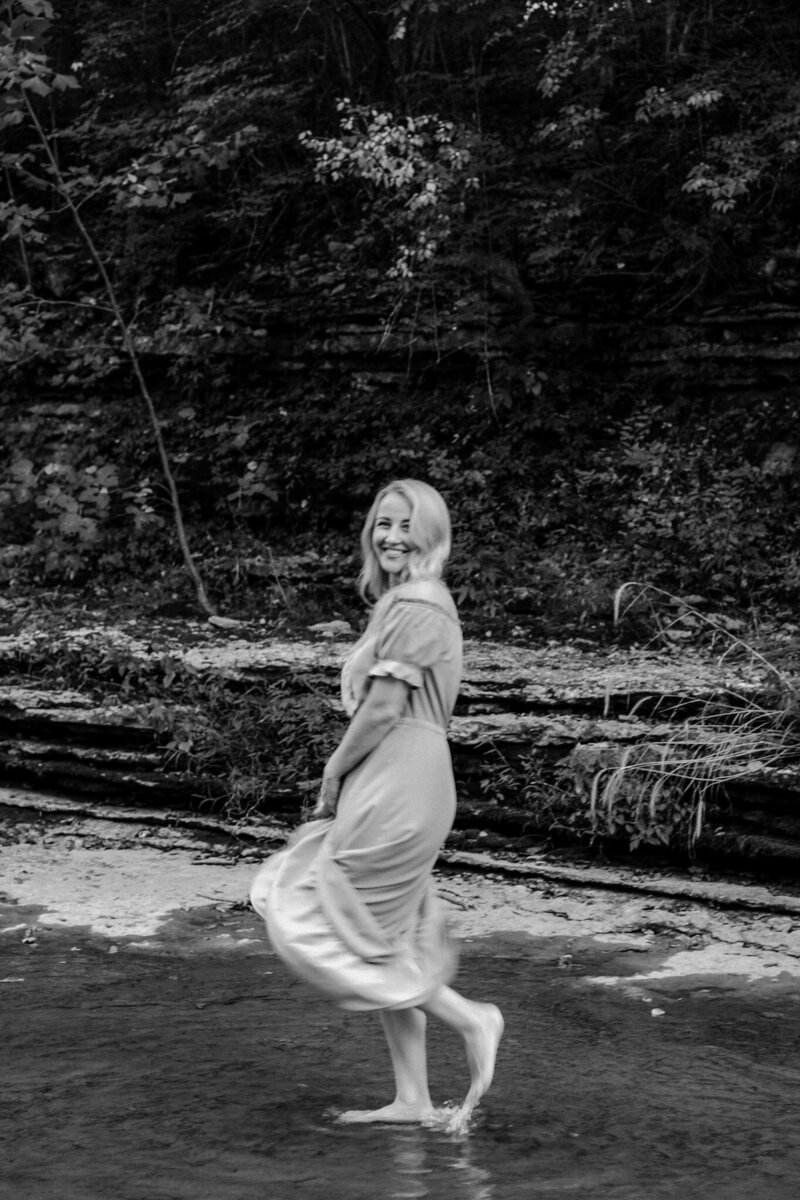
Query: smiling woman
{"points": [[406, 535], [349, 904], [391, 539]]}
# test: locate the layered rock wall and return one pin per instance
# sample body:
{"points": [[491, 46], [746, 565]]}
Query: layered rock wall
{"points": [[520, 705]]}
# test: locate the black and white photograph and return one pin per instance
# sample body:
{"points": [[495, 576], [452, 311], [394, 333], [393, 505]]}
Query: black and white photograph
{"points": [[400, 599]]}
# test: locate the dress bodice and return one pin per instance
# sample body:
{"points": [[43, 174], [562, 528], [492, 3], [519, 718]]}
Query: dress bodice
{"points": [[413, 639]]}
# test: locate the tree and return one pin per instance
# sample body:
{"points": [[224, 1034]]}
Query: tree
{"points": [[26, 73], [447, 179]]}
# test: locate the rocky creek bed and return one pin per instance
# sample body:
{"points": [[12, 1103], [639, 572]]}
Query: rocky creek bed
{"points": [[518, 704]]}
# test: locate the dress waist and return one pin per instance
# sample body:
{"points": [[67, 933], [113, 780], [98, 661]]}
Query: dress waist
{"points": [[418, 723]]}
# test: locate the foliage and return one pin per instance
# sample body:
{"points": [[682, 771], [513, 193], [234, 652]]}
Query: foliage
{"points": [[653, 789], [625, 796], [424, 161], [563, 801], [660, 790], [69, 509], [25, 72], [342, 238], [242, 748], [571, 140], [671, 107], [256, 746], [682, 505]]}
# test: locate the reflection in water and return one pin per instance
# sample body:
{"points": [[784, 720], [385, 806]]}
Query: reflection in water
{"points": [[475, 1182], [410, 1164], [415, 1153]]}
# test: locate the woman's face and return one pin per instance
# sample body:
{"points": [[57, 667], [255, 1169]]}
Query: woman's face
{"points": [[390, 539]]}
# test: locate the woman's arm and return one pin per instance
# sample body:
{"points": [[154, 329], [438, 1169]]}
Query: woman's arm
{"points": [[378, 713]]}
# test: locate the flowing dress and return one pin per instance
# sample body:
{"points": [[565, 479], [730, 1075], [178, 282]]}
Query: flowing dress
{"points": [[349, 904]]}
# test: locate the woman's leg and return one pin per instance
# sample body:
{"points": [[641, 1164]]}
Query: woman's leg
{"points": [[481, 1027], [405, 1033]]}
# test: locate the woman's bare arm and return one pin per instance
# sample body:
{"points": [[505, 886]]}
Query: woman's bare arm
{"points": [[378, 713]]}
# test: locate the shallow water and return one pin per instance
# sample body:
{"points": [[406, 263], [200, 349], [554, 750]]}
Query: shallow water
{"points": [[172, 1072]]}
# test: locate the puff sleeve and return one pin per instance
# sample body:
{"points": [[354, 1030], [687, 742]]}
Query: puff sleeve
{"points": [[409, 640]]}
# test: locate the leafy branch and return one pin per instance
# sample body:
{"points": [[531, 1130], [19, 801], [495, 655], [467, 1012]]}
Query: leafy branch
{"points": [[24, 72]]}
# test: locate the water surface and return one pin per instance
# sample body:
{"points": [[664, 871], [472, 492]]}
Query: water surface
{"points": [[171, 1072]]}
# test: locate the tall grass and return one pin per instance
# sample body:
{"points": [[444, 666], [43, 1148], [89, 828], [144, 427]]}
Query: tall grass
{"points": [[734, 736]]}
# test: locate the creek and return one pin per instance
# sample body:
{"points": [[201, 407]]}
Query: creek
{"points": [[155, 1049]]}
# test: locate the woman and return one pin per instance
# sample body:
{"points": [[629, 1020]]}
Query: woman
{"points": [[349, 904]]}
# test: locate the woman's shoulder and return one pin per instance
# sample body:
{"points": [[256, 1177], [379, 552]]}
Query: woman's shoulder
{"points": [[429, 592]]}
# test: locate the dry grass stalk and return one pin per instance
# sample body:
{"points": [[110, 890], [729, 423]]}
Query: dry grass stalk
{"points": [[731, 738]]}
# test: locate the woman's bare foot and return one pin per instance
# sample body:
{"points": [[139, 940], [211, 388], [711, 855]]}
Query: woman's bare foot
{"points": [[395, 1113], [482, 1051]]}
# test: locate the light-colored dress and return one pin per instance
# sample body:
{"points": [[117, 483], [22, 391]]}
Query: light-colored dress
{"points": [[349, 904]]}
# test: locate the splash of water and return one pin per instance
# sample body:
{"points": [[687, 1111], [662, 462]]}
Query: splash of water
{"points": [[456, 1120]]}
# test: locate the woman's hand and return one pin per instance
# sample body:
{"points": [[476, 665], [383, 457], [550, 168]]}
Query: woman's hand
{"points": [[377, 715], [328, 795]]}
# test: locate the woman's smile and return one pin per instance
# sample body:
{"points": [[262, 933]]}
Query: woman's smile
{"points": [[390, 534]]}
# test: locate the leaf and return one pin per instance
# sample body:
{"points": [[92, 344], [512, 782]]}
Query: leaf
{"points": [[14, 116], [37, 8], [22, 471], [37, 84], [107, 476], [63, 82]]}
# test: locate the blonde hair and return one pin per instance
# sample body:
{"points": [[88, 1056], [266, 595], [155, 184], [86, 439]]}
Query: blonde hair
{"points": [[429, 530]]}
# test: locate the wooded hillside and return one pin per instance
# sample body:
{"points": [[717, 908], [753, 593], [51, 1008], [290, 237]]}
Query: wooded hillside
{"points": [[545, 255]]}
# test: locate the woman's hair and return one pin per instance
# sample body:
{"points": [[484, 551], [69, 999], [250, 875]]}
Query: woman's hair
{"points": [[429, 531]]}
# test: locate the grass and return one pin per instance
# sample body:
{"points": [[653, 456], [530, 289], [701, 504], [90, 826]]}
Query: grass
{"points": [[664, 785]]}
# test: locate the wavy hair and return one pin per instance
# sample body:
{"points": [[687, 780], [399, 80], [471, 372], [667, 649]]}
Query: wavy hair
{"points": [[429, 530]]}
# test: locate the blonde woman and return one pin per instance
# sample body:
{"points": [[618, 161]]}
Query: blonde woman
{"points": [[349, 905]]}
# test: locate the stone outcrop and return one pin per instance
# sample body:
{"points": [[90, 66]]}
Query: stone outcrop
{"points": [[517, 704]]}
